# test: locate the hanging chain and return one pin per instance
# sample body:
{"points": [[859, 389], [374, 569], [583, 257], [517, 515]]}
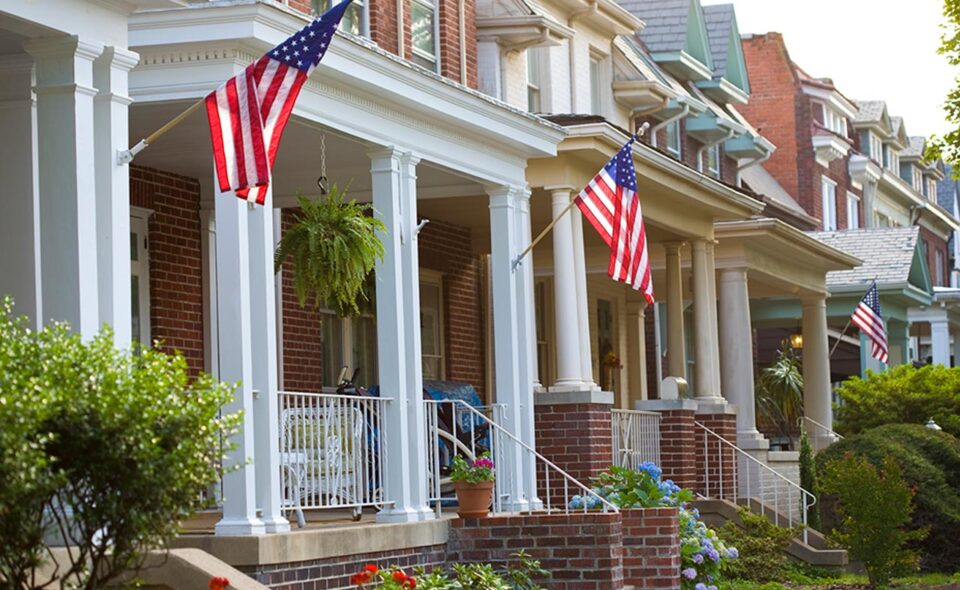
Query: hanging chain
{"points": [[322, 181]]}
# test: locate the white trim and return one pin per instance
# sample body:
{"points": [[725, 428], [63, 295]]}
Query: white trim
{"points": [[834, 99], [432, 278], [829, 210], [139, 225], [853, 207]]}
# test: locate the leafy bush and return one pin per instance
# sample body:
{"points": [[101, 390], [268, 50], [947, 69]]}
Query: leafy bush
{"points": [[473, 576], [761, 544], [874, 507], [99, 448], [900, 395], [931, 465], [809, 480]]}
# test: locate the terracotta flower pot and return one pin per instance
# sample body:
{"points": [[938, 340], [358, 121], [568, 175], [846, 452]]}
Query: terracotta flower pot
{"points": [[473, 498]]}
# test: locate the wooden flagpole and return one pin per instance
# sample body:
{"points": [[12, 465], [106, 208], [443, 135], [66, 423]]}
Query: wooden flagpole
{"points": [[849, 321], [546, 230], [127, 156]]}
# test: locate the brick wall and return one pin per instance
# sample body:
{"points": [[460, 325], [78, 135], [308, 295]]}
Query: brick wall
{"points": [[653, 357], [936, 244], [301, 332], [576, 437], [583, 551], [716, 462], [176, 289], [334, 573], [677, 439], [651, 548]]}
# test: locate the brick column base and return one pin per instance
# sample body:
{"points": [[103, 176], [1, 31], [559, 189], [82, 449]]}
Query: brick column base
{"points": [[717, 462], [678, 440], [651, 548], [574, 431]]}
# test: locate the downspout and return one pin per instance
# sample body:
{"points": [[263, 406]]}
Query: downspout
{"points": [[461, 11], [590, 10], [401, 30], [643, 113], [707, 146], [750, 164], [656, 128]]}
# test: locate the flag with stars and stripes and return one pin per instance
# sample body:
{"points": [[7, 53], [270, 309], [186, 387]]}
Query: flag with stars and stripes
{"points": [[867, 317], [611, 205], [248, 112]]}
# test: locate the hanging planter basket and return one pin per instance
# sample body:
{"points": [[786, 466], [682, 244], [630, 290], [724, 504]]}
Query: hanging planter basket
{"points": [[333, 247]]}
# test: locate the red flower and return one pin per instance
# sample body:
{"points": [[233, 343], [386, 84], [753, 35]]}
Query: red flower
{"points": [[360, 578], [218, 583], [371, 568], [400, 576]]}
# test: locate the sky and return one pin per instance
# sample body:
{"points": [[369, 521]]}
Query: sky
{"points": [[872, 49]]}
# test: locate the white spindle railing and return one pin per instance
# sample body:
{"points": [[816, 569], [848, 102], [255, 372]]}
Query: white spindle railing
{"points": [[820, 436], [331, 451], [636, 438], [730, 473], [453, 426]]}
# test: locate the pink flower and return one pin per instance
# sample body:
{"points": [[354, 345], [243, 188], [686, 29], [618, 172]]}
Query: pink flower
{"points": [[483, 462]]}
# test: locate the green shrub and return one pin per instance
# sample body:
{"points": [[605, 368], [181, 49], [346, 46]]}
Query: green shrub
{"points": [[761, 545], [809, 481], [900, 395], [874, 507], [931, 465], [103, 449]]}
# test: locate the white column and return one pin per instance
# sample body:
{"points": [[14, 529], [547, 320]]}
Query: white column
{"points": [[113, 190], [505, 245], [583, 302], [704, 325], [527, 340], [816, 360], [67, 187], [263, 333], [398, 336], [736, 353], [636, 354], [236, 363], [940, 341], [676, 344], [20, 222], [565, 309], [714, 322], [208, 269]]}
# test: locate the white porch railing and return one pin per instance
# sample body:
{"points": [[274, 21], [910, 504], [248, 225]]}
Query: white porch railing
{"points": [[820, 436], [331, 451], [455, 427], [636, 438], [730, 473]]}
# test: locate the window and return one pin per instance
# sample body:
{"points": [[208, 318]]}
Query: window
{"points": [[940, 268], [595, 94], [605, 348], [139, 278], [828, 188], [535, 60], [891, 159], [876, 148], [349, 343], [853, 211], [711, 164], [431, 327], [917, 177], [353, 19], [931, 189], [673, 139], [543, 347], [834, 121], [423, 14]]}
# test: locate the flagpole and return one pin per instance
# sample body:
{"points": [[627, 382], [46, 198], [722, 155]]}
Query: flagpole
{"points": [[125, 157], [849, 321], [546, 230]]}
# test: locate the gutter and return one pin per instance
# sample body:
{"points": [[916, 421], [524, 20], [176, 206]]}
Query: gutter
{"points": [[750, 164], [656, 128], [707, 146], [643, 113]]}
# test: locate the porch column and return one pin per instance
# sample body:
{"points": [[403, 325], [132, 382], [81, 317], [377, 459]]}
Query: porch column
{"points": [[714, 322], [704, 324], [110, 72], [566, 309], [583, 302], [512, 388], [398, 336], [736, 353], [676, 345], [636, 353], [940, 341], [816, 360], [67, 186], [20, 222], [528, 345], [263, 332], [898, 335], [235, 331]]}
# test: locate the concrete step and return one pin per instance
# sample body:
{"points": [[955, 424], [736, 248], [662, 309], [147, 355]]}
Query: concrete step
{"points": [[815, 551]]}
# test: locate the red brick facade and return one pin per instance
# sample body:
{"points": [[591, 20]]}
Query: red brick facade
{"points": [[584, 551], [716, 462], [933, 244], [678, 458], [576, 437], [688, 150], [651, 548], [176, 288]]}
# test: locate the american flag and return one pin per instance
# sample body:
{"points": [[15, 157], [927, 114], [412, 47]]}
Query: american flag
{"points": [[611, 205], [248, 112], [867, 317]]}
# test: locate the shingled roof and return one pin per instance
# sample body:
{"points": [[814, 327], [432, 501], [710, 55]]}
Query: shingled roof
{"points": [[719, 19], [946, 189], [915, 149], [870, 111], [887, 254]]}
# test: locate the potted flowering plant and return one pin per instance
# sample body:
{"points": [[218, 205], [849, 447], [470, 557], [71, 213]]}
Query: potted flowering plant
{"points": [[473, 482]]}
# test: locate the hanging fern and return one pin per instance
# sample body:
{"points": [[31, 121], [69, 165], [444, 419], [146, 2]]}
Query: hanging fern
{"points": [[333, 247]]}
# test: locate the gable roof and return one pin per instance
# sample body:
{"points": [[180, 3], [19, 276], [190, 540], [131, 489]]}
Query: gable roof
{"points": [[673, 26], [891, 255], [725, 47], [915, 148], [947, 190], [870, 111]]}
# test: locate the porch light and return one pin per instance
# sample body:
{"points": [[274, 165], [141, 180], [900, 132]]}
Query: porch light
{"points": [[933, 425], [796, 341]]}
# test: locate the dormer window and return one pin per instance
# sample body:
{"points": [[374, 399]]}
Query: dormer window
{"points": [[535, 78], [712, 161], [876, 148], [931, 192], [834, 121], [891, 159], [674, 146], [917, 177]]}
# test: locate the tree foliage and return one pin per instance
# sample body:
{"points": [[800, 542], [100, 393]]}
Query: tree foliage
{"points": [[100, 450], [947, 146], [761, 544], [810, 481], [333, 246], [779, 393]]}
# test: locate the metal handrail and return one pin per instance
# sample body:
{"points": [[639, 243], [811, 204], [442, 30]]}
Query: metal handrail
{"points": [[749, 460], [636, 437], [500, 437], [826, 429]]}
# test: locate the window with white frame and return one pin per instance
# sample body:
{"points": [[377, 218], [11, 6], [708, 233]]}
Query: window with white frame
{"points": [[876, 148], [711, 161], [535, 79], [828, 189], [834, 121], [424, 22], [940, 268], [349, 343], [931, 189], [673, 139], [853, 211], [354, 19], [917, 177], [139, 276], [431, 326], [596, 81], [543, 344], [891, 159]]}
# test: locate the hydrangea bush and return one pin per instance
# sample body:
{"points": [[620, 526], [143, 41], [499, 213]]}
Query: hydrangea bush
{"points": [[703, 555]]}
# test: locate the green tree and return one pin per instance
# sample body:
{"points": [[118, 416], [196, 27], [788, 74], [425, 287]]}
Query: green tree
{"points": [[809, 481], [947, 146]]}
